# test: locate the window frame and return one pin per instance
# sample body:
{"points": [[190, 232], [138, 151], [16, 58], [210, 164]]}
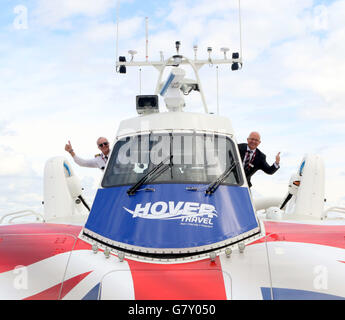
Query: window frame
{"points": [[234, 149]]}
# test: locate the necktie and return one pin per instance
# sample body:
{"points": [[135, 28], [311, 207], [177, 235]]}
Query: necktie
{"points": [[247, 159]]}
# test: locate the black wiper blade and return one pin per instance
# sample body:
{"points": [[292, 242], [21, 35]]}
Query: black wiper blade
{"points": [[151, 175], [214, 185]]}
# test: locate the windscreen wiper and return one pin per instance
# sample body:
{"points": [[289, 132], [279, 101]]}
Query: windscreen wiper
{"points": [[214, 185], [155, 172]]}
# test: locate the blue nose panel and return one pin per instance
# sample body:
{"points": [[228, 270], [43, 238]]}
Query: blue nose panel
{"points": [[171, 216]]}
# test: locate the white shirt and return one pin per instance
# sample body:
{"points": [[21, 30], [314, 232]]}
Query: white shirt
{"points": [[251, 152], [99, 161]]}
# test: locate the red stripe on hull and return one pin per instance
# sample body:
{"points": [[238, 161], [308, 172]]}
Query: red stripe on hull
{"points": [[200, 280], [22, 245], [326, 235]]}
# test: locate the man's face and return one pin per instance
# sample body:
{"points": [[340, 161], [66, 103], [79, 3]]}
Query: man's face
{"points": [[103, 145], [253, 140]]}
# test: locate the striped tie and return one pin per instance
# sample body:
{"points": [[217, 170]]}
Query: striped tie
{"points": [[247, 159]]}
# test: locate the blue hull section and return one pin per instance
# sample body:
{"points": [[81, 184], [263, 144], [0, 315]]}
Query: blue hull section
{"points": [[171, 217]]}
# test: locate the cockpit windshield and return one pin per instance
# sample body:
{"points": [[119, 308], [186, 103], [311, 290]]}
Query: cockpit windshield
{"points": [[193, 158]]}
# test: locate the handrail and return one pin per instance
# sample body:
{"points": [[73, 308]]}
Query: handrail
{"points": [[15, 214], [334, 209]]}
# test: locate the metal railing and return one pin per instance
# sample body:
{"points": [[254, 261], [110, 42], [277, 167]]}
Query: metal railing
{"points": [[334, 209], [20, 214]]}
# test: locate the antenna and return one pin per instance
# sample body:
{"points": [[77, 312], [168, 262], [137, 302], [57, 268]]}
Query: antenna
{"points": [[224, 50], [140, 81], [195, 48], [174, 99], [240, 23], [178, 44], [147, 37], [209, 50], [117, 27], [217, 74]]}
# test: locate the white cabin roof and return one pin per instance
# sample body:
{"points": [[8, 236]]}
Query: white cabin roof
{"points": [[175, 121]]}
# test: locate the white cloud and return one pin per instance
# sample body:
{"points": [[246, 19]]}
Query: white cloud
{"points": [[107, 31], [55, 14], [12, 163], [4, 130]]}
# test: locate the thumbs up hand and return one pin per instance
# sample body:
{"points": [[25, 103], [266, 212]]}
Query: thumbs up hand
{"points": [[68, 147], [278, 158]]}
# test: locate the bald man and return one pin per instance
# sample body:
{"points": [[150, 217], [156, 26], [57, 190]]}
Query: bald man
{"points": [[100, 159], [253, 159]]}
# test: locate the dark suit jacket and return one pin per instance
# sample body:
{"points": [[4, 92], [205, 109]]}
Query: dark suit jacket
{"points": [[259, 163]]}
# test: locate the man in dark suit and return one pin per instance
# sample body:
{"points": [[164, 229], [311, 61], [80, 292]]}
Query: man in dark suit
{"points": [[253, 159]]}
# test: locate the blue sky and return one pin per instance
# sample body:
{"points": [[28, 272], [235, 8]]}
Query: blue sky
{"points": [[58, 81]]}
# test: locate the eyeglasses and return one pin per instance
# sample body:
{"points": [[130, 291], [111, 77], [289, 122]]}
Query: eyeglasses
{"points": [[256, 140], [103, 144]]}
